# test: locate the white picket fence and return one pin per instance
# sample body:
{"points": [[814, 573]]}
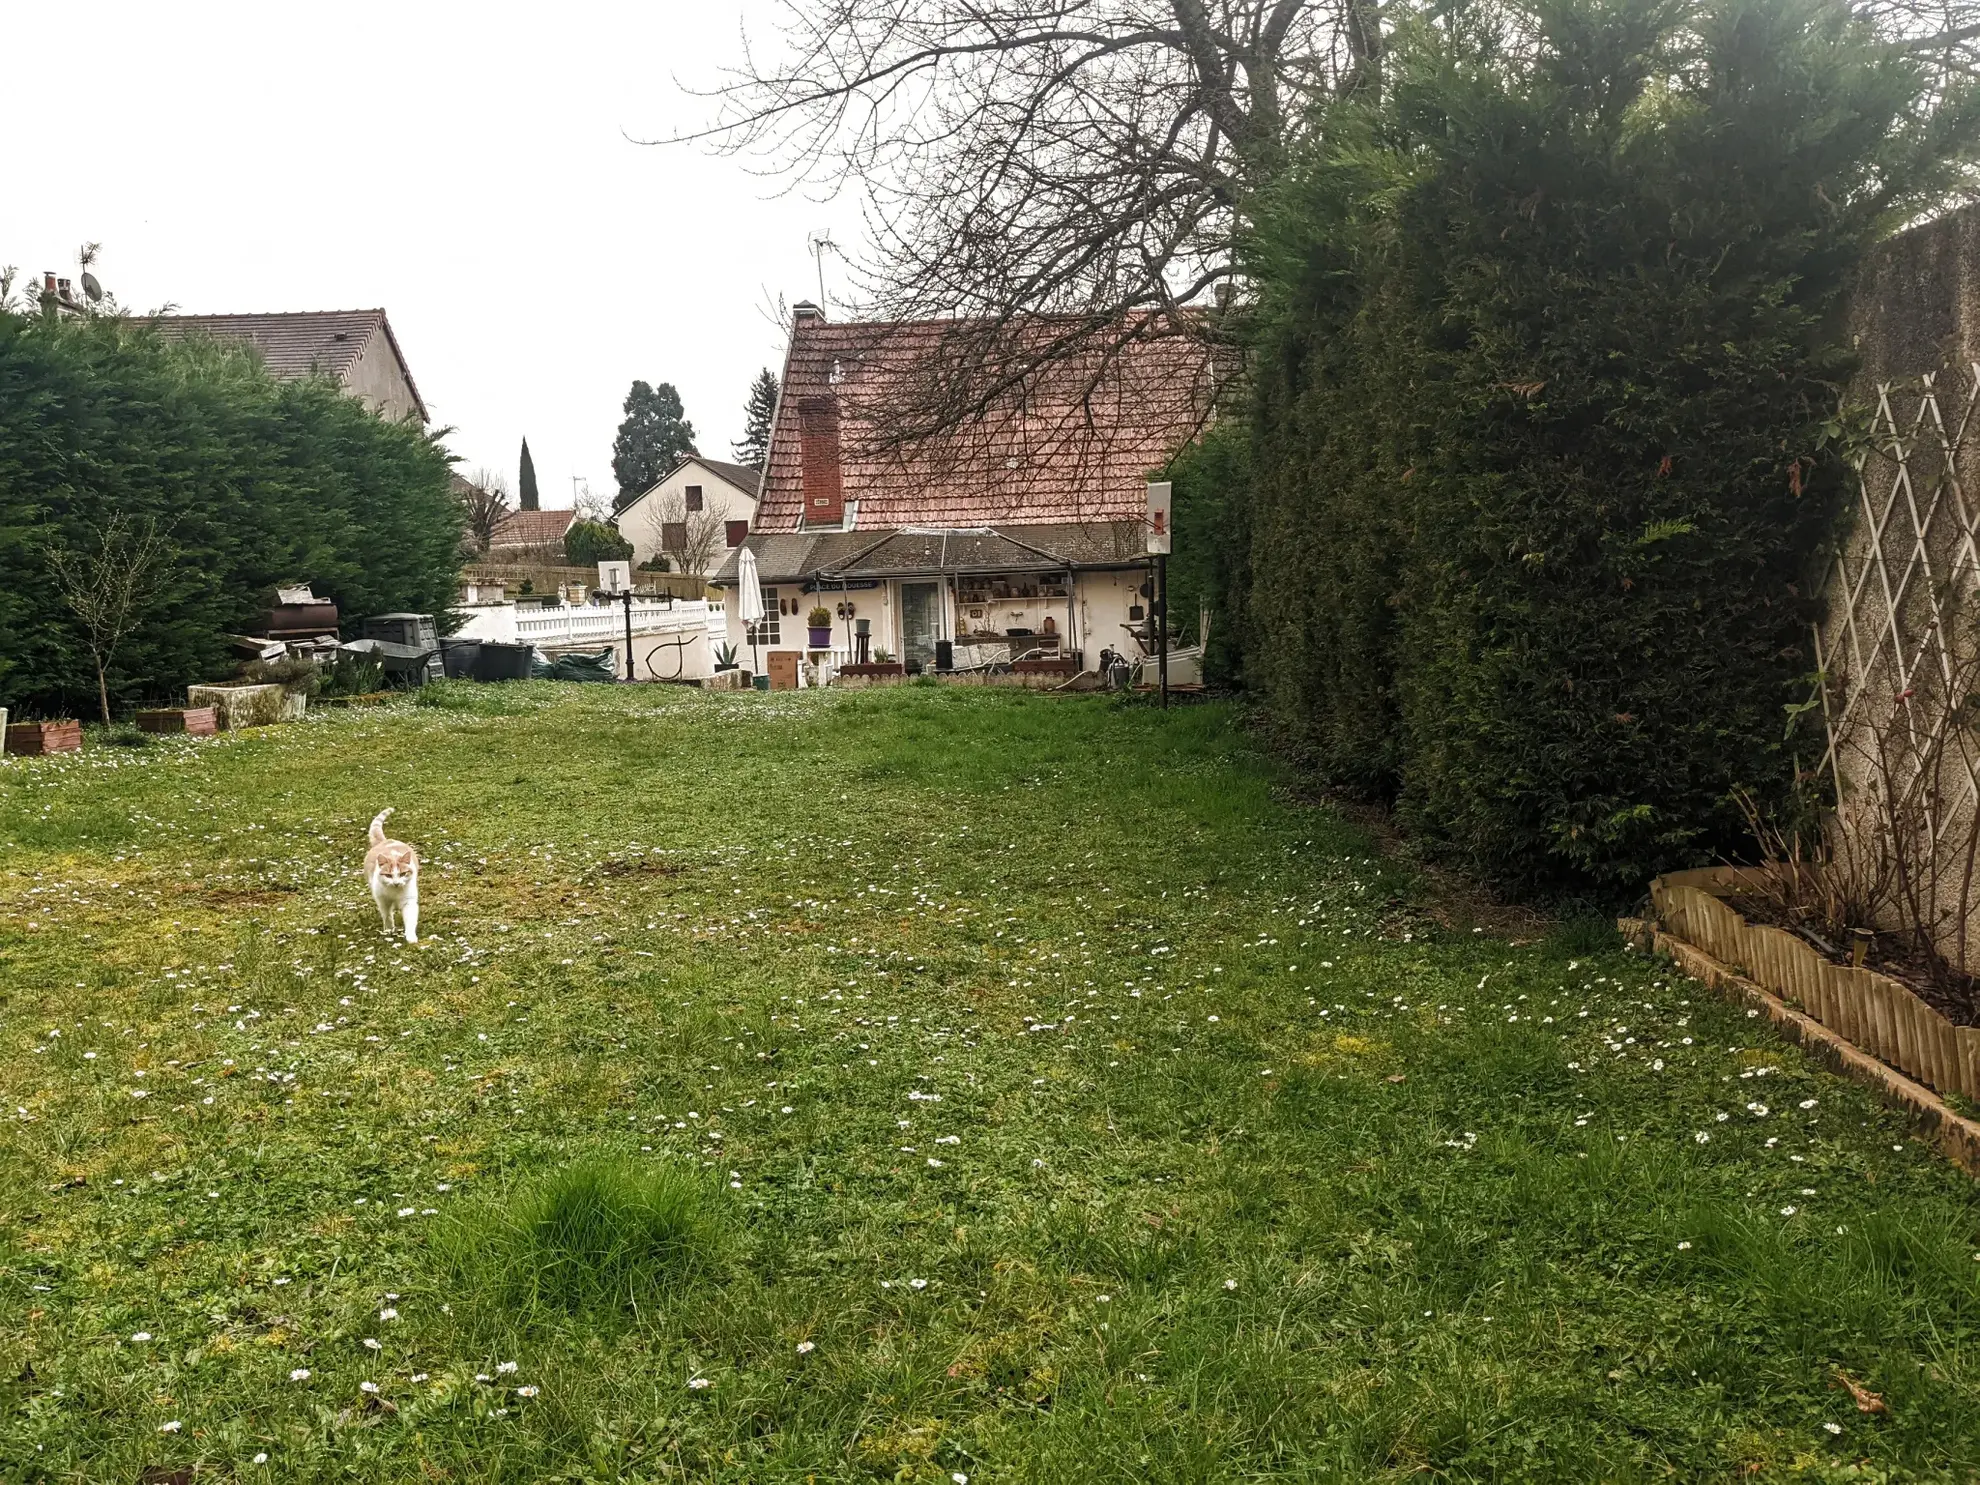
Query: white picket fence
{"points": [[575, 626]]}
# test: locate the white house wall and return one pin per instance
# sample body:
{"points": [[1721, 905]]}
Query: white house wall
{"points": [[378, 381], [639, 523], [1100, 604]]}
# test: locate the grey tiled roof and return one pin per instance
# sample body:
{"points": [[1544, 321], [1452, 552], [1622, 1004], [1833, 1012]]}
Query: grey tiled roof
{"points": [[786, 557], [742, 476], [296, 344]]}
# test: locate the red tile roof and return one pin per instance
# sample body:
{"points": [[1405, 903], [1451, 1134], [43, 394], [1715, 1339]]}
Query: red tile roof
{"points": [[532, 528], [1076, 442], [304, 341]]}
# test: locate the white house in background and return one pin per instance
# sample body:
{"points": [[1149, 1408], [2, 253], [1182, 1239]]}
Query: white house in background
{"points": [[704, 506], [1019, 537]]}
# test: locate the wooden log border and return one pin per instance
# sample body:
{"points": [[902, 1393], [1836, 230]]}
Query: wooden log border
{"points": [[1858, 1022]]}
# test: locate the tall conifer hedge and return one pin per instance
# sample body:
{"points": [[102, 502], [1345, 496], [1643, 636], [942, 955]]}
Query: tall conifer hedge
{"points": [[256, 481], [1545, 435]]}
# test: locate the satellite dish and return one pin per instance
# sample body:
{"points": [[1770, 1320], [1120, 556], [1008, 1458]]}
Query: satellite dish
{"points": [[91, 287]]}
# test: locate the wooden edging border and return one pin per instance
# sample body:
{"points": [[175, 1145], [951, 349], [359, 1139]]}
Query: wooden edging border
{"points": [[1957, 1137]]}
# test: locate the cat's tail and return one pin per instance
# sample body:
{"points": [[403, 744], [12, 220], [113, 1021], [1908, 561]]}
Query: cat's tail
{"points": [[378, 825]]}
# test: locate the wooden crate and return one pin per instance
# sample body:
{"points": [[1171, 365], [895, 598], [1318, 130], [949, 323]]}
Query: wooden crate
{"points": [[32, 738], [194, 721]]}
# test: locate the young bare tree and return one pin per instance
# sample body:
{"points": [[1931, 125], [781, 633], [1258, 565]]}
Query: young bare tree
{"points": [[591, 506], [690, 539], [107, 583], [484, 497]]}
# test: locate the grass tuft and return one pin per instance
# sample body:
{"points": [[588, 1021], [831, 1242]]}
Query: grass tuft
{"points": [[600, 1234]]}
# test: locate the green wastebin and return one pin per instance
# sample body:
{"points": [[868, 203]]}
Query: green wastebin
{"points": [[761, 682]]}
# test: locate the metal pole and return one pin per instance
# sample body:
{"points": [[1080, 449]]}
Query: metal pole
{"points": [[629, 653], [1162, 624]]}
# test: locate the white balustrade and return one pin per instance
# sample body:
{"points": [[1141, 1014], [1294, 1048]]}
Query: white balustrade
{"points": [[573, 625]]}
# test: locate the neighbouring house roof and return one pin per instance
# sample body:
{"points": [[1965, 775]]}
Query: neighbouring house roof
{"points": [[828, 556], [532, 528], [295, 344], [1075, 443], [742, 476]]}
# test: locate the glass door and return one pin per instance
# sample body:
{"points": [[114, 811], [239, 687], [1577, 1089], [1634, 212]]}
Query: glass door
{"points": [[920, 624]]}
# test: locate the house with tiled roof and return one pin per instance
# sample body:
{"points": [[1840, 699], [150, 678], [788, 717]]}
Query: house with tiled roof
{"points": [[537, 533], [693, 515], [1016, 535], [353, 347]]}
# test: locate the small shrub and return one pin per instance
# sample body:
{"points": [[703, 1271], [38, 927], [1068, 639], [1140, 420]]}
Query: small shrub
{"points": [[292, 675], [819, 618], [593, 541], [125, 735], [602, 1233], [352, 675]]}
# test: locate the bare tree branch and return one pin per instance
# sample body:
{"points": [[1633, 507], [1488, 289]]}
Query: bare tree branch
{"points": [[107, 584], [484, 497]]}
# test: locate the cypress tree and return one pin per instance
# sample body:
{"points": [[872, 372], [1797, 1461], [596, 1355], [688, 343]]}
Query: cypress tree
{"points": [[526, 481]]}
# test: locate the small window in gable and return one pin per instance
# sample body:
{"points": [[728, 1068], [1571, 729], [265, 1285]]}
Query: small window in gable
{"points": [[694, 497]]}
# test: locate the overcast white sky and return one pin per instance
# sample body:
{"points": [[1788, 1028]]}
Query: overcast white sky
{"points": [[463, 165]]}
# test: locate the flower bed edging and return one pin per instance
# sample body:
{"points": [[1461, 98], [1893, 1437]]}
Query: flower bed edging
{"points": [[1957, 1137], [1867, 1009]]}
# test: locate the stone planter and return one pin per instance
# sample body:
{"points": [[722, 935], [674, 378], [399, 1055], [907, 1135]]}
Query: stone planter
{"points": [[892, 667], [193, 721], [30, 739], [235, 707]]}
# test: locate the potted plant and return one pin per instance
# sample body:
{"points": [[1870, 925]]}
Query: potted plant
{"points": [[819, 622], [725, 656]]}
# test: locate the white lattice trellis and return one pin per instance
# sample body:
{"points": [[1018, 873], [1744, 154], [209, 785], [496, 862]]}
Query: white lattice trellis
{"points": [[1885, 643]]}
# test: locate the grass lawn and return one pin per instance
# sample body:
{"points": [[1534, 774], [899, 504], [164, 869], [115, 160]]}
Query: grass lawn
{"points": [[914, 1085]]}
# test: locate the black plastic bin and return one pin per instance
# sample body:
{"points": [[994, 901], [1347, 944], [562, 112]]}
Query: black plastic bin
{"points": [[501, 661], [461, 657], [945, 655]]}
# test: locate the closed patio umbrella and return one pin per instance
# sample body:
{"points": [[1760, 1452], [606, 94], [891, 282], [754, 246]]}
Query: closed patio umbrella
{"points": [[749, 599]]}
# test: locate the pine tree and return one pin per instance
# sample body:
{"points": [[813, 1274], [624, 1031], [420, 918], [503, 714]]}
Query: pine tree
{"points": [[655, 437], [526, 481], [754, 446]]}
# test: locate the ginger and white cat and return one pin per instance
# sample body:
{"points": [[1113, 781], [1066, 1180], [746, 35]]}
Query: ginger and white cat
{"points": [[392, 869]]}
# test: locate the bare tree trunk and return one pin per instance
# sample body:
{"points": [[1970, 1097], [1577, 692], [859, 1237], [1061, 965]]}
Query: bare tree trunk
{"points": [[102, 691]]}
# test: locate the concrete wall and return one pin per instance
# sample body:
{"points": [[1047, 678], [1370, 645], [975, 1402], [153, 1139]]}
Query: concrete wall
{"points": [[1901, 627], [1917, 307]]}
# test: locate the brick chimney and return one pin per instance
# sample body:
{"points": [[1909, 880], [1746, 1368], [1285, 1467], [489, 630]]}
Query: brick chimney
{"points": [[818, 443], [805, 312]]}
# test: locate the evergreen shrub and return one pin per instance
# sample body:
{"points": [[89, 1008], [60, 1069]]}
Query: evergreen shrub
{"points": [[255, 481], [588, 542], [1546, 442]]}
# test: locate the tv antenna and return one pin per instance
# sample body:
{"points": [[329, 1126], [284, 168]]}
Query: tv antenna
{"points": [[818, 244], [85, 256]]}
